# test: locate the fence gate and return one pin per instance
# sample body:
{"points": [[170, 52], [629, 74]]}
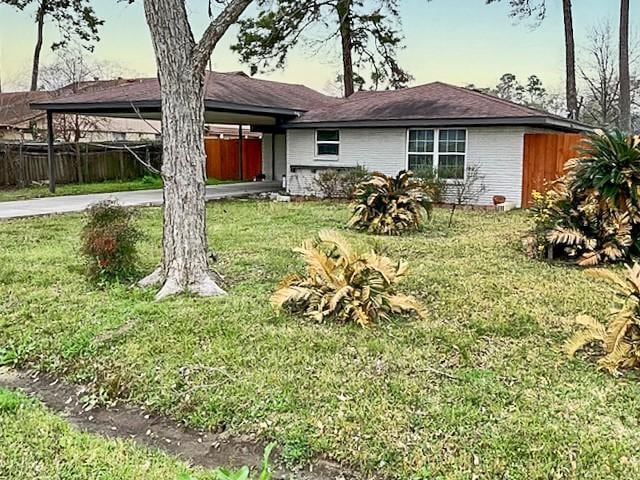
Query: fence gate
{"points": [[544, 157], [223, 161]]}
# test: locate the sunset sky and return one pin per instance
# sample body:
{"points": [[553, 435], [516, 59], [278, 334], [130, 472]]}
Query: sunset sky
{"points": [[456, 41]]}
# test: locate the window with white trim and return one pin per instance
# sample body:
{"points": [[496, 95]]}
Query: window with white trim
{"points": [[327, 143], [448, 159], [421, 149]]}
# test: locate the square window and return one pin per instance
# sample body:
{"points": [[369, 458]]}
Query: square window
{"points": [[328, 135], [448, 160], [452, 141], [421, 141], [328, 149], [420, 162], [328, 142], [451, 166]]}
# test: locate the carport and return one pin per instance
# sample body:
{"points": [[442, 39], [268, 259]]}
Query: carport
{"points": [[230, 98]]}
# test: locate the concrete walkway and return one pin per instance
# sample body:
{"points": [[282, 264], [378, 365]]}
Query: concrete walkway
{"points": [[78, 203]]}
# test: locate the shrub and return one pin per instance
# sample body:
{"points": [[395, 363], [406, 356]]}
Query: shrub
{"points": [[390, 206], [351, 178], [620, 339], [344, 285], [433, 183], [150, 180], [464, 188], [109, 240], [544, 218], [592, 214], [328, 183], [334, 183]]}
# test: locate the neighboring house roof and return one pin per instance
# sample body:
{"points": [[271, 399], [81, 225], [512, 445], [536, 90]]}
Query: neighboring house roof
{"points": [[297, 106], [221, 90], [15, 111], [15, 107], [434, 103]]}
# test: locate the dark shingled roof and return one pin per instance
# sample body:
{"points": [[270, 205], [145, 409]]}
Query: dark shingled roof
{"points": [[431, 104], [15, 110], [434, 101], [15, 107], [229, 88]]}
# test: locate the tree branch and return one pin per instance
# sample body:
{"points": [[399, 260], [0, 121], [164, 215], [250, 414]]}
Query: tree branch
{"points": [[216, 30]]}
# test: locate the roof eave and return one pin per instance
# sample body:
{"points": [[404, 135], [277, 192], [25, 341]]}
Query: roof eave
{"points": [[97, 107], [542, 121], [156, 106]]}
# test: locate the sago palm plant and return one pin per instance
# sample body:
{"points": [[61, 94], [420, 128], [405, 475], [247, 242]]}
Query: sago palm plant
{"points": [[589, 231], [608, 168], [390, 206], [620, 338], [345, 285], [595, 213]]}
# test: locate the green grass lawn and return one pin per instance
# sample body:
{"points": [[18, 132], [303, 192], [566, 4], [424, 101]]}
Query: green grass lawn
{"points": [[145, 183], [480, 389], [35, 444]]}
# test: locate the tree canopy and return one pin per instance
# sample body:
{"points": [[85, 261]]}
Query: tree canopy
{"points": [[368, 32], [76, 19]]}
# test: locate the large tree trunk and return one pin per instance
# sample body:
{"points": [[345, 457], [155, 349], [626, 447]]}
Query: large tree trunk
{"points": [[184, 264], [35, 70], [344, 14], [625, 80], [570, 60]]}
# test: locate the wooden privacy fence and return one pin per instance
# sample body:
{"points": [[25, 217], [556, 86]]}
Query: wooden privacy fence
{"points": [[23, 164], [223, 158], [545, 155]]}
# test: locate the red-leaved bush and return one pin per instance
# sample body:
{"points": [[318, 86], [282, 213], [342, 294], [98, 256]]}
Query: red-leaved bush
{"points": [[109, 241]]}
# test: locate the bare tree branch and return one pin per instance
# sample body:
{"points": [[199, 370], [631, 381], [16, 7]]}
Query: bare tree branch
{"points": [[216, 30]]}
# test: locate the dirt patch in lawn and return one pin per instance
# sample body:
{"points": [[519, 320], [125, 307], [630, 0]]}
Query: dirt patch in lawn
{"points": [[208, 450]]}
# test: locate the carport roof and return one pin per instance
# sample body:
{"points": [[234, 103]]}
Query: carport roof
{"points": [[230, 92]]}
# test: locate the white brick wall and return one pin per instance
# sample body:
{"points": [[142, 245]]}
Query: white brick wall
{"points": [[498, 151]]}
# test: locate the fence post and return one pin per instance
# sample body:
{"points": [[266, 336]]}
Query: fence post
{"points": [[23, 167], [147, 157], [78, 162], [6, 165], [85, 163], [50, 153], [121, 158]]}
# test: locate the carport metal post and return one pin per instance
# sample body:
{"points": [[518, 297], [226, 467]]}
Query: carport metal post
{"points": [[273, 156], [51, 153], [240, 151]]}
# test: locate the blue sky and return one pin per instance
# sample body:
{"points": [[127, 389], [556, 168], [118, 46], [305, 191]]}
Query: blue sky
{"points": [[456, 41]]}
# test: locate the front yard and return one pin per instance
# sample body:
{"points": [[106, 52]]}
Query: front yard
{"points": [[8, 194], [480, 389], [36, 444]]}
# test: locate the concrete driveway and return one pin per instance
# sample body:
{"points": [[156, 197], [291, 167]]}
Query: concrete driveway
{"points": [[78, 203]]}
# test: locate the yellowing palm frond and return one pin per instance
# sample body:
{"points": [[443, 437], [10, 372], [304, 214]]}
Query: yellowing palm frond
{"points": [[390, 206], [292, 294], [334, 238], [620, 338], [593, 331], [345, 285]]}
